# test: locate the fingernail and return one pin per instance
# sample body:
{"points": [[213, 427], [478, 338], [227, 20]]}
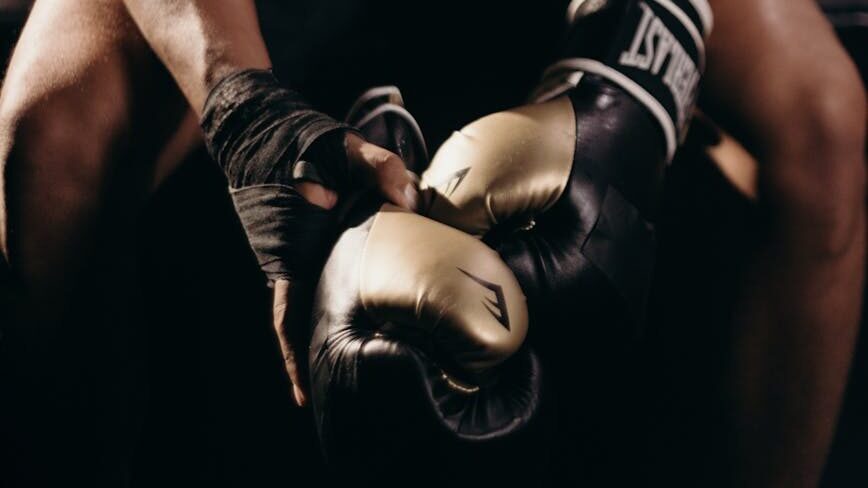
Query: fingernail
{"points": [[299, 398], [412, 196]]}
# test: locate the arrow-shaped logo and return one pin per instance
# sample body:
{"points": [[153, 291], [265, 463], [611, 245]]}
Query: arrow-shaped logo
{"points": [[452, 183], [496, 307]]}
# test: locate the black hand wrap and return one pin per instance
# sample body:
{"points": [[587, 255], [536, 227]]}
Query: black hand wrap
{"points": [[266, 137]]}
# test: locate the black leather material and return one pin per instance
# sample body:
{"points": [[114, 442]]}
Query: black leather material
{"points": [[383, 408], [586, 265], [379, 396], [593, 251], [380, 116]]}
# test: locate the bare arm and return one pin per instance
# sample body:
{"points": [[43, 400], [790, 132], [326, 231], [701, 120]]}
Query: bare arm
{"points": [[201, 41]]}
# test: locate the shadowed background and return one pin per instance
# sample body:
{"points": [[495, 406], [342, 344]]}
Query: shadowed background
{"points": [[217, 406]]}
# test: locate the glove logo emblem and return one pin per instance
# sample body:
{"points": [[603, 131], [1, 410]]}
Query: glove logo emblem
{"points": [[496, 306], [453, 182]]}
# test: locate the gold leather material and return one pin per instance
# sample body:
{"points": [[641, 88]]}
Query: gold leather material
{"points": [[508, 166], [430, 281]]}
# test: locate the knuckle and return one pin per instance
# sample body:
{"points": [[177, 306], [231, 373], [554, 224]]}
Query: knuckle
{"points": [[386, 159], [397, 162]]}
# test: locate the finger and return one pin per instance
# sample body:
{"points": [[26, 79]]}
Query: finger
{"points": [[410, 197], [298, 394], [295, 377], [386, 169], [283, 303], [317, 194], [394, 181]]}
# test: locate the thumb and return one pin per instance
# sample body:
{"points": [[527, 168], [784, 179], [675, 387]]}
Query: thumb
{"points": [[386, 169]]}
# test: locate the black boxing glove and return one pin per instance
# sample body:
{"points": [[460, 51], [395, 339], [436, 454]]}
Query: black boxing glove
{"points": [[416, 354], [266, 138], [380, 116], [566, 189]]}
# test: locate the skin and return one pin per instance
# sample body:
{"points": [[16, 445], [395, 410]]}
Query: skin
{"points": [[71, 178], [97, 49], [205, 42], [799, 312], [799, 108]]}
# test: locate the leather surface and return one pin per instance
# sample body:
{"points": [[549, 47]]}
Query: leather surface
{"points": [[416, 352], [421, 278], [585, 171], [386, 382], [503, 168]]}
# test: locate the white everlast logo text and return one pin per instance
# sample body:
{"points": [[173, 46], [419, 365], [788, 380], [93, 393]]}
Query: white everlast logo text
{"points": [[652, 45]]}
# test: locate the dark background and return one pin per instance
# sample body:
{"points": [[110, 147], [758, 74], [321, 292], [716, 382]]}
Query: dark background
{"points": [[217, 409]]}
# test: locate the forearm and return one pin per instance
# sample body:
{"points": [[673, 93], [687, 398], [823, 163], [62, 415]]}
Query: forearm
{"points": [[201, 41]]}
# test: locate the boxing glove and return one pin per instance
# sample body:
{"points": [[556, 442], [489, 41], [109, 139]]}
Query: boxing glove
{"points": [[566, 189], [416, 354], [380, 115]]}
